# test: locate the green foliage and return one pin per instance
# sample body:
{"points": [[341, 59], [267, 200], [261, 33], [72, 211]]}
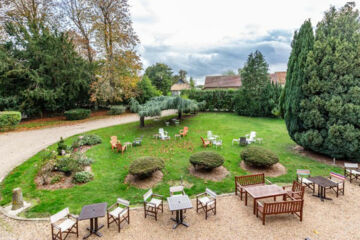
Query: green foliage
{"points": [[116, 110], [61, 146], [41, 72], [257, 97], [77, 114], [55, 179], [83, 177], [144, 167], [206, 160], [216, 100], [9, 119], [192, 83], [88, 139], [74, 162], [259, 157], [322, 102], [146, 90], [160, 75]]}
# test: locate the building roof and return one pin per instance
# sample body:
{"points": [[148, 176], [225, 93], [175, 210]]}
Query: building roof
{"points": [[180, 85], [278, 77], [222, 82]]}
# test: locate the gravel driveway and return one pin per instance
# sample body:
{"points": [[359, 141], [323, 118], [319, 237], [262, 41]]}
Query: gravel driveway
{"points": [[16, 147]]}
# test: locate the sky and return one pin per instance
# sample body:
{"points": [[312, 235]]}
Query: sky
{"points": [[209, 37]]}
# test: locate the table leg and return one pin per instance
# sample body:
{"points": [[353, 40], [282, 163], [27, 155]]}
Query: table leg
{"points": [[90, 229], [245, 198], [97, 228], [254, 204]]}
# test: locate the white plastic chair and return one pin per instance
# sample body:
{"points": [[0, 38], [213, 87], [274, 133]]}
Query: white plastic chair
{"points": [[251, 138]]}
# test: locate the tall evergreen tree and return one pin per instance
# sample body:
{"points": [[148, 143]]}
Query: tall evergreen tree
{"points": [[302, 44], [329, 113]]}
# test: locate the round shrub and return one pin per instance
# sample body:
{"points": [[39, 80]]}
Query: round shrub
{"points": [[116, 110], [144, 167], [77, 114], [9, 119], [206, 160], [259, 157], [83, 177]]}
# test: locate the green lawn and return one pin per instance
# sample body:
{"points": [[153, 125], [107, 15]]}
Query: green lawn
{"points": [[110, 168]]}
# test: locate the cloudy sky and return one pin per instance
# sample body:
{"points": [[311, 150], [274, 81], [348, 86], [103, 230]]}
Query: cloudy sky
{"points": [[209, 37]]}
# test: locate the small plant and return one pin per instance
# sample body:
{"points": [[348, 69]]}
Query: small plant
{"points": [[62, 147], [9, 119], [77, 114], [83, 177], [46, 165], [55, 179], [259, 157], [144, 167], [68, 165], [116, 110], [82, 159], [89, 139], [206, 160]]}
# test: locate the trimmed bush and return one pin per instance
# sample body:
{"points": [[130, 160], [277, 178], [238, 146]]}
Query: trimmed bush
{"points": [[144, 167], [77, 114], [259, 157], [83, 177], [9, 119], [116, 110], [206, 160]]}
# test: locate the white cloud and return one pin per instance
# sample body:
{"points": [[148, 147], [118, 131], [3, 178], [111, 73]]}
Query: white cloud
{"points": [[179, 31]]}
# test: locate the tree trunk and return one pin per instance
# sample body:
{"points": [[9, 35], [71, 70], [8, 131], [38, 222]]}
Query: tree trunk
{"points": [[142, 121], [179, 114], [17, 199]]}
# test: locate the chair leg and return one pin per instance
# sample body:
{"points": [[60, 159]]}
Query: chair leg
{"points": [[108, 220]]}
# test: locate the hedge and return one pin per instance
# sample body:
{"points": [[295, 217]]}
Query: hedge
{"points": [[77, 114], [216, 100], [116, 110], [9, 119]]}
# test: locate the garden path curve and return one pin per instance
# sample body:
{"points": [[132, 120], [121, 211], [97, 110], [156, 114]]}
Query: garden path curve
{"points": [[16, 147]]}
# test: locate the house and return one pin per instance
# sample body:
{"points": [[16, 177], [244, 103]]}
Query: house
{"points": [[222, 82], [179, 86], [278, 77]]}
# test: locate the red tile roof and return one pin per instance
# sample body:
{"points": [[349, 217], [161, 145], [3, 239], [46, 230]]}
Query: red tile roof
{"points": [[278, 77], [222, 82]]}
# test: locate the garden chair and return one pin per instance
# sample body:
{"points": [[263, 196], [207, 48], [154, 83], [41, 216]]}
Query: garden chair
{"points": [[296, 192], [113, 142], [243, 141], [121, 148], [302, 177], [210, 136], [205, 142], [177, 190], [251, 138], [340, 183], [152, 207], [164, 136], [206, 201], [118, 213], [68, 226], [138, 141], [183, 132], [352, 171], [236, 140], [217, 143]]}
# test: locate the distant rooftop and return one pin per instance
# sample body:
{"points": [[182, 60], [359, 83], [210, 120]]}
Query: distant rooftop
{"points": [[213, 82]]}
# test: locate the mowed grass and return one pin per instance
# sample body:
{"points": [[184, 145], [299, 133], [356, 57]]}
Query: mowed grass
{"points": [[111, 168]]}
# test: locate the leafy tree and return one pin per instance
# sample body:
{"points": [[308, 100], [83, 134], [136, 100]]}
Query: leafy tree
{"points": [[257, 96], [160, 75], [330, 109], [192, 83], [146, 90], [42, 71], [292, 95], [181, 75]]}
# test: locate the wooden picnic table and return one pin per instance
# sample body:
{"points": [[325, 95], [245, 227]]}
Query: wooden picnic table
{"points": [[322, 183], [264, 191]]}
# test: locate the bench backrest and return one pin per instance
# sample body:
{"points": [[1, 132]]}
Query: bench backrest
{"points": [[283, 207], [303, 172], [210, 193], [250, 179], [337, 176], [123, 202], [62, 214], [148, 194], [351, 165]]}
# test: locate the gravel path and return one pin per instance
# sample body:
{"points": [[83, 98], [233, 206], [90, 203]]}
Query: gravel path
{"points": [[16, 147], [337, 219]]}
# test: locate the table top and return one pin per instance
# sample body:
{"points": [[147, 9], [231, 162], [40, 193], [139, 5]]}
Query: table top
{"points": [[93, 211], [265, 191], [322, 181], [179, 202]]}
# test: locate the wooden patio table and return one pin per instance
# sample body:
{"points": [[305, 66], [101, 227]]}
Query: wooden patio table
{"points": [[93, 212], [322, 183], [264, 191]]}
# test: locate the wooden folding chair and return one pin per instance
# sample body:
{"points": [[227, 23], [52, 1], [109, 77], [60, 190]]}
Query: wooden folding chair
{"points": [[296, 192], [68, 226], [301, 177], [340, 183], [118, 213], [121, 148], [352, 171], [152, 207], [206, 201]]}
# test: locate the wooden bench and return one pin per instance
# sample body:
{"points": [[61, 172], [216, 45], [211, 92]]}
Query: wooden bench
{"points": [[274, 208], [248, 180]]}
